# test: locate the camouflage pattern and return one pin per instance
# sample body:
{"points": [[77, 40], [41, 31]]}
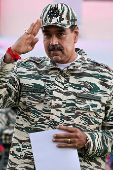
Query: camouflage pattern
{"points": [[80, 95], [7, 121], [58, 14]]}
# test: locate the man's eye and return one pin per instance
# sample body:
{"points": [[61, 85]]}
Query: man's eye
{"points": [[61, 34]]}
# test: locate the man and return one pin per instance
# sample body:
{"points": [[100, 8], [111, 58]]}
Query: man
{"points": [[65, 90]]}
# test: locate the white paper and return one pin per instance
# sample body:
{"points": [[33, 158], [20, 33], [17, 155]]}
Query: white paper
{"points": [[49, 157]]}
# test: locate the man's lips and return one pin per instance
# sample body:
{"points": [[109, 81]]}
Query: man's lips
{"points": [[55, 52]]}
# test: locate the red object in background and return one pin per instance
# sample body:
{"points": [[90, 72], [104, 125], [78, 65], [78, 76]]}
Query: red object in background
{"points": [[1, 148], [108, 159]]}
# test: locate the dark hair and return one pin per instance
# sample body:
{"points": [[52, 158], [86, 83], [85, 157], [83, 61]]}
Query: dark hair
{"points": [[72, 27]]}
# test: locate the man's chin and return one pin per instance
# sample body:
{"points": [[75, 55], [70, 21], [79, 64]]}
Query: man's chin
{"points": [[56, 59]]}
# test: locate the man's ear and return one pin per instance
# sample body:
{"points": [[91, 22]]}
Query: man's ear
{"points": [[76, 33]]}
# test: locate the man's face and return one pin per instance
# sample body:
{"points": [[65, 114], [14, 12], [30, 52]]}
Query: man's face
{"points": [[59, 43]]}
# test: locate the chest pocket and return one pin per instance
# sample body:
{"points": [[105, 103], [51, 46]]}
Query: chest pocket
{"points": [[89, 102], [33, 95]]}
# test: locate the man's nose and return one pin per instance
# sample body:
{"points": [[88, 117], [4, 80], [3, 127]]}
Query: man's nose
{"points": [[54, 40]]}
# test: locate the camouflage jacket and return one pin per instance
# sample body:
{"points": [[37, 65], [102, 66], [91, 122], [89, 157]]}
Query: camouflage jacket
{"points": [[80, 95]]}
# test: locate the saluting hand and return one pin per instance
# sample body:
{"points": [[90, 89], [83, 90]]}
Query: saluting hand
{"points": [[27, 41]]}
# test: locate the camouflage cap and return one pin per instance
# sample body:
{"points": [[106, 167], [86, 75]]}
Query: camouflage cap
{"points": [[58, 14]]}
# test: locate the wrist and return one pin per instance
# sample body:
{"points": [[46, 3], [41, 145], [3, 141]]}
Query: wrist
{"points": [[7, 59], [13, 50], [14, 55]]}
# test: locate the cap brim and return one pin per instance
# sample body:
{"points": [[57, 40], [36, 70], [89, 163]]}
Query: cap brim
{"points": [[56, 24]]}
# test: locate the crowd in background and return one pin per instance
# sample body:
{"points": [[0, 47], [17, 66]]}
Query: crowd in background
{"points": [[7, 121]]}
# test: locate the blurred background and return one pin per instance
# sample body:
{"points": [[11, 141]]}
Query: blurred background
{"points": [[95, 20]]}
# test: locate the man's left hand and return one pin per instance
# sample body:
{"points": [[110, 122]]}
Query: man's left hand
{"points": [[74, 137]]}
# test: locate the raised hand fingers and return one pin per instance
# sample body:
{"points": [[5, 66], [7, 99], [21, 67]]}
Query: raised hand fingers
{"points": [[31, 28], [34, 42], [36, 27]]}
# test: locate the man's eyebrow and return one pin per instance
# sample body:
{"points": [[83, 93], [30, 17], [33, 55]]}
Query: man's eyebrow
{"points": [[61, 30], [45, 31]]}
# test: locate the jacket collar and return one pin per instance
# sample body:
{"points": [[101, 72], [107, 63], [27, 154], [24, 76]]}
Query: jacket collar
{"points": [[75, 65]]}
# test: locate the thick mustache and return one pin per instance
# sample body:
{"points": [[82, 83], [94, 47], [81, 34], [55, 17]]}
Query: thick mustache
{"points": [[55, 47]]}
